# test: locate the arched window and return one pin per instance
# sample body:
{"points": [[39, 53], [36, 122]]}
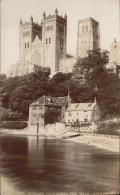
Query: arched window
{"points": [[49, 40], [46, 41], [36, 58], [25, 45], [28, 45]]}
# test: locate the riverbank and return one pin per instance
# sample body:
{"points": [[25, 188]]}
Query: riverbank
{"points": [[100, 141], [107, 143]]}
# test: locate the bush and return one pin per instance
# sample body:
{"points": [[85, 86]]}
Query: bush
{"points": [[109, 128], [13, 125], [9, 115]]}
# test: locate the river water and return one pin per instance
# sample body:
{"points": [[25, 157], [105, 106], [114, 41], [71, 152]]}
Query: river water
{"points": [[40, 165]]}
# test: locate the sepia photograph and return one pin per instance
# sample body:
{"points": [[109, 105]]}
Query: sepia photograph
{"points": [[60, 97]]}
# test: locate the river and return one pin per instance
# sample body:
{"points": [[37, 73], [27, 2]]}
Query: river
{"points": [[35, 164]]}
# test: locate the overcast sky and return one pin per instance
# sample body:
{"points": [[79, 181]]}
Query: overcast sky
{"points": [[106, 12]]}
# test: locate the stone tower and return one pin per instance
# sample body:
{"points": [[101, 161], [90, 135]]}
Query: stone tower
{"points": [[27, 33], [54, 32], [88, 37], [114, 58]]}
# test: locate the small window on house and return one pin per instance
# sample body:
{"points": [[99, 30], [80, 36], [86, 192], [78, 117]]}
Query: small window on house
{"points": [[25, 45], [28, 45], [49, 40], [46, 41], [69, 113], [87, 28], [83, 29], [60, 41]]}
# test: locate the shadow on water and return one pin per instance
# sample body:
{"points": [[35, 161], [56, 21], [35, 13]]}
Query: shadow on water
{"points": [[51, 165]]}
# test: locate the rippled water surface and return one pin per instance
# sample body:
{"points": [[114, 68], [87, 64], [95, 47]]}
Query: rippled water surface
{"points": [[50, 165]]}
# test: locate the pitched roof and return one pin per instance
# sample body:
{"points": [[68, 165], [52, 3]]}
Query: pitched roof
{"points": [[51, 101], [81, 106]]}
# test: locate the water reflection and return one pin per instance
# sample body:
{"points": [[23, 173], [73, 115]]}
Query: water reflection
{"points": [[50, 165]]}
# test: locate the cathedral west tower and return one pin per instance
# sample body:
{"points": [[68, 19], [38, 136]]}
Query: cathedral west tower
{"points": [[54, 32]]}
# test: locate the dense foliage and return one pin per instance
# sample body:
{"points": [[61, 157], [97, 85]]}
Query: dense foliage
{"points": [[51, 116], [9, 115], [89, 79], [13, 125], [109, 128]]}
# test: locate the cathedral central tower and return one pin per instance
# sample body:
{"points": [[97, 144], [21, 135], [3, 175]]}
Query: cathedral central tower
{"points": [[88, 37]]}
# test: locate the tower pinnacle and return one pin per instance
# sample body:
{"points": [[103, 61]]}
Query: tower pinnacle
{"points": [[115, 40], [44, 15], [31, 19], [20, 22], [65, 16], [56, 11]]}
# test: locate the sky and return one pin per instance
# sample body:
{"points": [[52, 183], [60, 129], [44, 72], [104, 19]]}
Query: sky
{"points": [[106, 12]]}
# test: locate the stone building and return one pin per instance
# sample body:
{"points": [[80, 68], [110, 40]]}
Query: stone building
{"points": [[43, 44], [66, 65], [88, 36], [81, 113], [21, 68], [38, 108], [114, 58]]}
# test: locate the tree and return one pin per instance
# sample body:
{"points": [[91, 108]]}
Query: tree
{"points": [[18, 92], [90, 72], [51, 116], [58, 85], [89, 67], [7, 114]]}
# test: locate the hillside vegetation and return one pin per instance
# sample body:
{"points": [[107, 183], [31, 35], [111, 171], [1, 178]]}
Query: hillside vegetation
{"points": [[89, 79]]}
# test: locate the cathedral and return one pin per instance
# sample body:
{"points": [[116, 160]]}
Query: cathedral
{"points": [[45, 45], [42, 45]]}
